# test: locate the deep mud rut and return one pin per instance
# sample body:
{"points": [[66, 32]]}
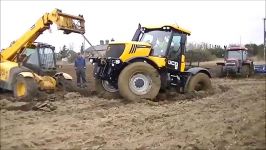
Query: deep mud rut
{"points": [[232, 116]]}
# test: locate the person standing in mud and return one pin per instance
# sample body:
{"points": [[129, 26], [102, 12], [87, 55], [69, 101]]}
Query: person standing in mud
{"points": [[80, 67]]}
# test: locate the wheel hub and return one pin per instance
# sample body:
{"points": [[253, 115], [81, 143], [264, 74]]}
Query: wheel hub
{"points": [[21, 89], [140, 84]]}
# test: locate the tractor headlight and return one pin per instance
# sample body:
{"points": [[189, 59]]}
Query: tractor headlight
{"points": [[91, 60], [117, 61]]}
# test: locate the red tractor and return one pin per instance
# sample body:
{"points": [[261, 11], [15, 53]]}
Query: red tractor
{"points": [[236, 62]]}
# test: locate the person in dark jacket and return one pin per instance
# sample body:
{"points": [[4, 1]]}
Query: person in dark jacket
{"points": [[80, 67]]}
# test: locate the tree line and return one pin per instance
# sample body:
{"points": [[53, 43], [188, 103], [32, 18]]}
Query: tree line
{"points": [[200, 52], [208, 54]]}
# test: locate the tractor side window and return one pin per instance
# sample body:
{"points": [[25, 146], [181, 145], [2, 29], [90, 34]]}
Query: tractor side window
{"points": [[175, 47]]}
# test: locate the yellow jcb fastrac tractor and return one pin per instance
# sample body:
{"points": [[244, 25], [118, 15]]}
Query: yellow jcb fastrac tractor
{"points": [[26, 66], [154, 60]]}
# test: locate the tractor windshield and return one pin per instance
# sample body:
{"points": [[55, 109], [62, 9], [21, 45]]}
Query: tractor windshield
{"points": [[237, 54], [159, 41]]}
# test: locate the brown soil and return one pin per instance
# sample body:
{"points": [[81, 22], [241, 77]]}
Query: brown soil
{"points": [[231, 116]]}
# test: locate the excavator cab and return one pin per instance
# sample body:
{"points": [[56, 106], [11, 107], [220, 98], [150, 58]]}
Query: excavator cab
{"points": [[40, 58]]}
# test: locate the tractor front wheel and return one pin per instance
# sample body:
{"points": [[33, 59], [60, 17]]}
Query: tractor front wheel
{"points": [[105, 90], [138, 81]]}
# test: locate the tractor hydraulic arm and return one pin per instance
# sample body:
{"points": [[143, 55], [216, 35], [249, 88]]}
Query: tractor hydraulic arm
{"points": [[66, 22]]}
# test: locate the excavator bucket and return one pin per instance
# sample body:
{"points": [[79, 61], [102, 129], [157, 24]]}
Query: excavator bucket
{"points": [[69, 23]]}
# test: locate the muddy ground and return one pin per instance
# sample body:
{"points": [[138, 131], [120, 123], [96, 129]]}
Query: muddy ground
{"points": [[231, 116]]}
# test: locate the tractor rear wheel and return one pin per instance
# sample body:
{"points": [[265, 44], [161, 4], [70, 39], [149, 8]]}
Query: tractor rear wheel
{"points": [[251, 70], [24, 88], [220, 73], [199, 82], [138, 81], [105, 90]]}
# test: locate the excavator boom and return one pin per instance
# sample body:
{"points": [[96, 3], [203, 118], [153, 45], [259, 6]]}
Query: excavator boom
{"points": [[66, 22]]}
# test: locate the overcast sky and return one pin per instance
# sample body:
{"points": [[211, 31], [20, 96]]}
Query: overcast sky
{"points": [[215, 22]]}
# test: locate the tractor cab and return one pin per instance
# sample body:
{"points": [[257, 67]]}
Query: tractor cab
{"points": [[235, 56], [164, 40], [236, 62], [167, 42], [40, 58], [236, 53]]}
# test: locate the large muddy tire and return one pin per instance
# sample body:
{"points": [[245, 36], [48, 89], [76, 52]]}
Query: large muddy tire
{"points": [[245, 71], [139, 81], [65, 84], [199, 82], [25, 88], [105, 90]]}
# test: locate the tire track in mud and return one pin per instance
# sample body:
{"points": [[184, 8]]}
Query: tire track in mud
{"points": [[229, 117]]}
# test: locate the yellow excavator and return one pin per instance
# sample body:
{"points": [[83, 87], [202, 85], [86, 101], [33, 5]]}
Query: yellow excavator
{"points": [[27, 66]]}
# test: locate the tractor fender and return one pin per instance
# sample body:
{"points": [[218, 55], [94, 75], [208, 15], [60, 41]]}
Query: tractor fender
{"points": [[143, 59], [26, 74], [196, 70], [8, 84], [248, 62], [62, 74]]}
